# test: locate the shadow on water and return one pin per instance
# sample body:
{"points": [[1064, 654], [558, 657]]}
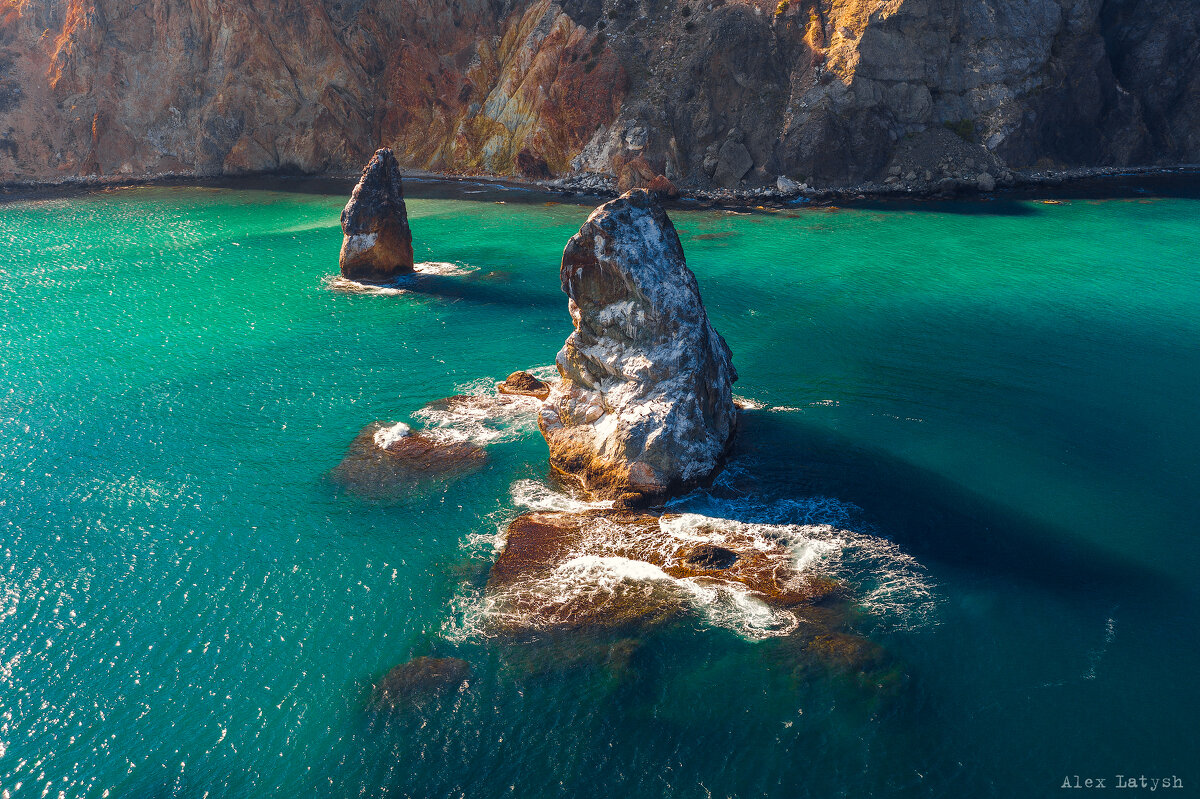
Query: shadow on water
{"points": [[1021, 201], [481, 290], [974, 206], [936, 519]]}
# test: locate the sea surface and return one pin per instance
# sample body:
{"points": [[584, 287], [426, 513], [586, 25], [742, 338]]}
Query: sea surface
{"points": [[981, 417]]}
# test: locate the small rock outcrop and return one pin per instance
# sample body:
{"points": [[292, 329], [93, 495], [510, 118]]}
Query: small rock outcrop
{"points": [[645, 408], [662, 187], [524, 384], [377, 242]]}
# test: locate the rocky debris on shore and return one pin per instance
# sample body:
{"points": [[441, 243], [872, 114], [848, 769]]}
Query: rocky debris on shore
{"points": [[595, 183], [614, 568], [416, 679], [645, 408], [377, 242], [524, 384], [942, 161], [387, 461]]}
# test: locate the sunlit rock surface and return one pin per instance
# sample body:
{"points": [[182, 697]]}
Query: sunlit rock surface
{"points": [[729, 94], [645, 408]]}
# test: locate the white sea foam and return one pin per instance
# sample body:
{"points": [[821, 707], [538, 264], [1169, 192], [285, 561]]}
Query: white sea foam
{"points": [[810, 536], [387, 436], [747, 403], [547, 374], [1096, 655], [536, 496], [480, 414], [443, 268], [828, 536], [402, 284]]}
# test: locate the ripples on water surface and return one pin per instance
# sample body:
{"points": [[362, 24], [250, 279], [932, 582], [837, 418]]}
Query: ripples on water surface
{"points": [[981, 415]]}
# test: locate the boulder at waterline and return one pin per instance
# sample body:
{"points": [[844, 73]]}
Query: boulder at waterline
{"points": [[377, 242], [524, 384], [387, 461], [416, 679], [645, 408]]}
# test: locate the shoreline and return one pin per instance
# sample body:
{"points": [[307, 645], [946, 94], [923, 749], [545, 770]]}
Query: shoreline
{"points": [[1083, 182]]}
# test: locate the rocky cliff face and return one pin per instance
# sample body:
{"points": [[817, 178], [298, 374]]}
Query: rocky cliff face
{"points": [[707, 92], [644, 409]]}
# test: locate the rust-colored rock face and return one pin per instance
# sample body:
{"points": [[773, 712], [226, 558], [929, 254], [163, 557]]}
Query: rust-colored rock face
{"points": [[729, 93], [107, 87], [377, 242]]}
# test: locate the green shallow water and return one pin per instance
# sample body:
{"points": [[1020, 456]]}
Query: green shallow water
{"points": [[998, 400]]}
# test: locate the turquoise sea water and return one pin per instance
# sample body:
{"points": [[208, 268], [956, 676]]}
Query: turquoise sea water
{"points": [[994, 403]]}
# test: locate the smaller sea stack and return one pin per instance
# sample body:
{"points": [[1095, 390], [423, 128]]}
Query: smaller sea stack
{"points": [[645, 407], [377, 243]]}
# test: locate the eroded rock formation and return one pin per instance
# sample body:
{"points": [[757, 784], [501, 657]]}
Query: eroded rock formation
{"points": [[377, 242], [732, 93], [644, 409]]}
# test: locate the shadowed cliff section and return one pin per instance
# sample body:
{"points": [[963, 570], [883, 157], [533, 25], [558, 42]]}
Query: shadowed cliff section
{"points": [[732, 93]]}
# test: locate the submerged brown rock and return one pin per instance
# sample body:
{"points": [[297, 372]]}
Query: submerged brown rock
{"points": [[377, 242], [416, 679], [645, 408], [388, 461]]}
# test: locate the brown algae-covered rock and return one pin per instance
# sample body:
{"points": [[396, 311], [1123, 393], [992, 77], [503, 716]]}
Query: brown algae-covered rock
{"points": [[416, 679], [610, 568]]}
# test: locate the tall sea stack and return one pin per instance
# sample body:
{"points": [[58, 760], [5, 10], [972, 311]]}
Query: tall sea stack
{"points": [[377, 243], [645, 406]]}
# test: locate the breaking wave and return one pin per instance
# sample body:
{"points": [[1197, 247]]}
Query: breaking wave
{"points": [[537, 496], [386, 436], [479, 414], [831, 537]]}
